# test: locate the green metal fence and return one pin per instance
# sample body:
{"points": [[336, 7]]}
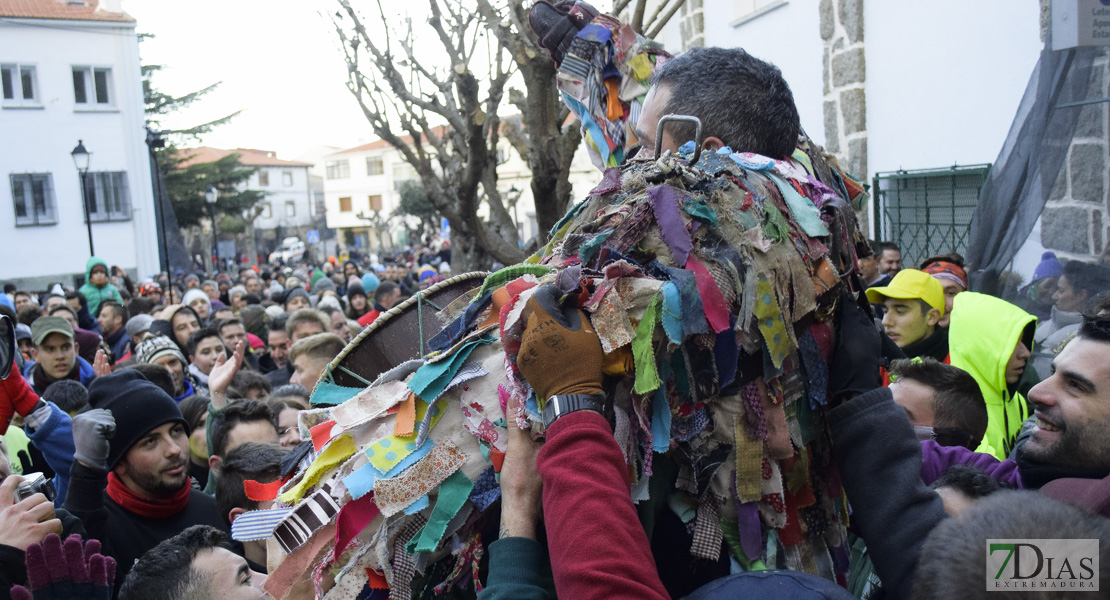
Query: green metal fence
{"points": [[927, 211]]}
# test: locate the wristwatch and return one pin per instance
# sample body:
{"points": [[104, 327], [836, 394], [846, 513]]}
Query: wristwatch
{"points": [[563, 404]]}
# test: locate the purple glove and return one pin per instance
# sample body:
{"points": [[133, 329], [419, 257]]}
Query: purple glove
{"points": [[556, 26], [67, 572]]}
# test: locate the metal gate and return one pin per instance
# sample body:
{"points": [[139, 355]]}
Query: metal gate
{"points": [[927, 211]]}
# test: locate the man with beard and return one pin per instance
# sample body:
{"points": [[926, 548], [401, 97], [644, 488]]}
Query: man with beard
{"points": [[130, 480]]}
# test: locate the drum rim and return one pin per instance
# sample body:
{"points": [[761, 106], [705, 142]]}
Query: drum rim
{"points": [[389, 314]]}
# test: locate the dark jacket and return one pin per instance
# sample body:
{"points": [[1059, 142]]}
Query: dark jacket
{"points": [[124, 535]]}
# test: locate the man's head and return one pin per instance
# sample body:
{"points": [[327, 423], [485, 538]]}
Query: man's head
{"points": [[743, 103], [162, 351], [112, 317], [387, 295], [941, 397], [184, 322], [193, 565], [21, 299], [149, 451], [953, 561], [49, 301], [205, 347], [305, 322], [232, 331], [248, 461], [242, 421], [890, 258], [337, 321], [949, 270], [251, 384], [310, 355], [914, 304], [962, 486], [1072, 406], [1079, 285], [55, 348], [65, 312], [296, 299], [278, 341], [197, 300], [211, 288], [253, 285]]}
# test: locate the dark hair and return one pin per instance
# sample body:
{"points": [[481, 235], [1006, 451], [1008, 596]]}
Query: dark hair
{"points": [[45, 297], [200, 335], [1095, 328], [221, 323], [953, 257], [67, 394], [884, 246], [9, 288], [118, 309], [960, 413], [165, 571], [193, 408], [740, 99], [289, 394], [158, 375], [29, 313], [278, 323], [140, 306], [384, 289], [969, 481], [251, 299], [953, 559], [64, 307], [1089, 278], [246, 380], [249, 460], [243, 411]]}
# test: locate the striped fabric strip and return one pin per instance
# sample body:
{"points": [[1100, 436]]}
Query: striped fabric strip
{"points": [[257, 524], [306, 518]]}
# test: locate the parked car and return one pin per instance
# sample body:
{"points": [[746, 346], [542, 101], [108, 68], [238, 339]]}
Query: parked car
{"points": [[290, 251]]}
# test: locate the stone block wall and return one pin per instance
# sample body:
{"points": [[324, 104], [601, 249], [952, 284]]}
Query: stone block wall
{"points": [[844, 69], [1074, 222], [692, 24]]}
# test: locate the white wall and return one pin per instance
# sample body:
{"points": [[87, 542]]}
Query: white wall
{"points": [[278, 194], [359, 187], [944, 78], [39, 140]]}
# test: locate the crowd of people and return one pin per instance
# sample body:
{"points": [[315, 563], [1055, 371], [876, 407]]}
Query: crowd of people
{"points": [[166, 411]]}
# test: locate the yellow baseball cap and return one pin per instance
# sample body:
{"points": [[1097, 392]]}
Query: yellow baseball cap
{"points": [[910, 284]]}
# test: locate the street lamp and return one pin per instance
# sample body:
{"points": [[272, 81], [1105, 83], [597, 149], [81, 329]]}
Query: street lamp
{"points": [[81, 161], [210, 196]]}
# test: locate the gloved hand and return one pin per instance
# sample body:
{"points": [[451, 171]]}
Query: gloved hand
{"points": [[91, 432], [16, 396], [854, 368], [559, 352], [556, 26], [70, 572]]}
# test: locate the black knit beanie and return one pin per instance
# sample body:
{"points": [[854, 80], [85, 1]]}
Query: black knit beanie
{"points": [[137, 405]]}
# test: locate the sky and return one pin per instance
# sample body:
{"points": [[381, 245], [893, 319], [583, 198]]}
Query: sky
{"points": [[278, 61]]}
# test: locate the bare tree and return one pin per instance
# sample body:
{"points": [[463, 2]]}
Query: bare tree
{"points": [[445, 120]]}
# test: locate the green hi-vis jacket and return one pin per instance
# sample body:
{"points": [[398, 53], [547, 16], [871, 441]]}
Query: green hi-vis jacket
{"points": [[981, 338]]}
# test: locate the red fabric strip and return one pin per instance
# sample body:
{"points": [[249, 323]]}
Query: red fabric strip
{"points": [[321, 434], [353, 518], [262, 492], [713, 302]]}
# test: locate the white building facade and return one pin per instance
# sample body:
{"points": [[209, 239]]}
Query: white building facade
{"points": [[70, 71]]}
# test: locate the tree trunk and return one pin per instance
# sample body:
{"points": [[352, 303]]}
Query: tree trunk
{"points": [[467, 254]]}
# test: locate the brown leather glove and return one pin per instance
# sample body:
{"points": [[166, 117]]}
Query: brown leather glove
{"points": [[559, 352]]}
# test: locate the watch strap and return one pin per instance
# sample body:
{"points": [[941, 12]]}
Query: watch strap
{"points": [[563, 404]]}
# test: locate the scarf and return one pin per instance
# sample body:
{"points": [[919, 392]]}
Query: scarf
{"points": [[40, 380], [935, 346], [146, 507], [1035, 474]]}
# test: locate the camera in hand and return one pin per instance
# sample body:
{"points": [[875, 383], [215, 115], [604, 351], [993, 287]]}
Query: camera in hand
{"points": [[35, 483]]}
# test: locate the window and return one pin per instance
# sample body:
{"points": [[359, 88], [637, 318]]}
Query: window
{"points": [[267, 210], [107, 197], [287, 178], [375, 203], [263, 178], [19, 84], [746, 10], [290, 208], [344, 205], [338, 169], [92, 86], [33, 194], [374, 165]]}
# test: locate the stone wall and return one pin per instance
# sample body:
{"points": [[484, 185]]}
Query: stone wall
{"points": [[844, 69], [692, 24], [1074, 222]]}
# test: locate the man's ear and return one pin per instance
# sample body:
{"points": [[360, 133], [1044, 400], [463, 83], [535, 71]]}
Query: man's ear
{"points": [[76, 347], [35, 353], [214, 463], [712, 144], [932, 317], [121, 468], [234, 514]]}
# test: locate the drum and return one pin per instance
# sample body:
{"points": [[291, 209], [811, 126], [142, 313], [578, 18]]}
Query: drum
{"points": [[401, 333]]}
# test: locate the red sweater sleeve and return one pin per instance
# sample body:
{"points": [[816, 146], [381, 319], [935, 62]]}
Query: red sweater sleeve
{"points": [[598, 547]]}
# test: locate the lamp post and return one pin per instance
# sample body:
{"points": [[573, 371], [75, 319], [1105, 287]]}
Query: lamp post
{"points": [[81, 161], [210, 196]]}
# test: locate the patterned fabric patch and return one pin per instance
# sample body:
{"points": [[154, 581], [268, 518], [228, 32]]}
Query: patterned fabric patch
{"points": [[393, 494], [257, 524], [309, 516]]}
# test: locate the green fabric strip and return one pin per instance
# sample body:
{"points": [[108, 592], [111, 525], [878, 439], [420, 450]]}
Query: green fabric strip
{"points": [[453, 493], [500, 278], [647, 375]]}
